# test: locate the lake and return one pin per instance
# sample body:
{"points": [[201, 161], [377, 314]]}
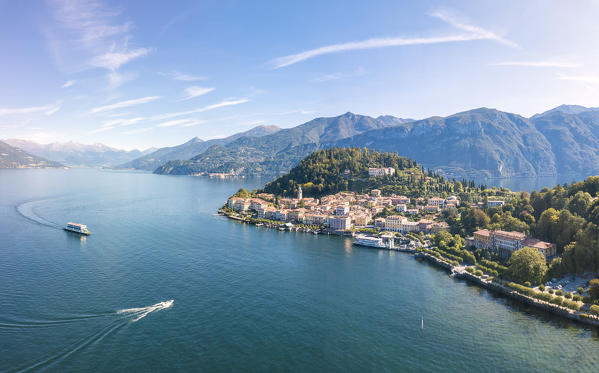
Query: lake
{"points": [[245, 298]]}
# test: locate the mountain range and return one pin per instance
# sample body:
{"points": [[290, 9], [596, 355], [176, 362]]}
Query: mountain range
{"points": [[477, 143], [78, 155], [13, 157], [191, 148]]}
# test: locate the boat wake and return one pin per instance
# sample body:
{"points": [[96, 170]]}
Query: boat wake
{"points": [[27, 211], [123, 318], [142, 312]]}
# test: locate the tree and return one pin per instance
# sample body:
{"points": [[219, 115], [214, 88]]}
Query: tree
{"points": [[474, 219], [527, 264], [594, 288]]}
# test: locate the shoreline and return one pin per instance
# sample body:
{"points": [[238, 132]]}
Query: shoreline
{"points": [[459, 272]]}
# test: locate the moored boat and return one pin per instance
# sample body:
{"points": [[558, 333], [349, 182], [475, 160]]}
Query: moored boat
{"points": [[363, 240], [77, 228]]}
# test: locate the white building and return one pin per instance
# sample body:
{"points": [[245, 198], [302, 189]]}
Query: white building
{"points": [[380, 171]]}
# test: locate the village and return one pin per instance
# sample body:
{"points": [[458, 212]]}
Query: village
{"points": [[348, 213]]}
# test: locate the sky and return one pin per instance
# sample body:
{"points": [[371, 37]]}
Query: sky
{"points": [[141, 74]]}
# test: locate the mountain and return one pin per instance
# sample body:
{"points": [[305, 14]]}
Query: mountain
{"points": [[476, 143], [13, 157], [77, 155], [190, 149], [280, 151], [574, 140], [566, 109]]}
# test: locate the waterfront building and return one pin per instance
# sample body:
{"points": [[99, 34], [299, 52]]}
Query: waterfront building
{"points": [[408, 226], [505, 243], [393, 223], [379, 223], [338, 223]]}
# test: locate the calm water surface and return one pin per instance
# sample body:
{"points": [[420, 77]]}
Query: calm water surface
{"points": [[245, 298]]}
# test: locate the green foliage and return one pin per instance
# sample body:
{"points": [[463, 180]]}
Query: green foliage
{"points": [[595, 310], [478, 273], [557, 301], [571, 304], [324, 172], [576, 298], [580, 290], [550, 291], [587, 300], [568, 295], [594, 288], [242, 193], [470, 270], [542, 287], [560, 292], [527, 264]]}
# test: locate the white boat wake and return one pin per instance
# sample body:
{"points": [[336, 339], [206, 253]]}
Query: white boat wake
{"points": [[142, 312], [68, 351], [27, 211]]}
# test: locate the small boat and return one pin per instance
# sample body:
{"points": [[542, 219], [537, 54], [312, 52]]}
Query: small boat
{"points": [[77, 228]]}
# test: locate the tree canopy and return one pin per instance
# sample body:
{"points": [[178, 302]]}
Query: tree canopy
{"points": [[527, 264]]}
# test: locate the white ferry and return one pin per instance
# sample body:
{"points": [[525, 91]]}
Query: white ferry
{"points": [[77, 228], [369, 241]]}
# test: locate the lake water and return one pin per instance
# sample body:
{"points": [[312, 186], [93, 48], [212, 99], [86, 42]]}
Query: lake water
{"points": [[245, 298]]}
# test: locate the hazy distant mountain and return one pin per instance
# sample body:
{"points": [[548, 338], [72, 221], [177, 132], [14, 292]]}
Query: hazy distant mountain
{"points": [[77, 155], [13, 157], [190, 149], [280, 151], [566, 109]]}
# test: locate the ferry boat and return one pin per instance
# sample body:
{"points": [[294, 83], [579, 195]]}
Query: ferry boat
{"points": [[77, 228], [362, 240]]}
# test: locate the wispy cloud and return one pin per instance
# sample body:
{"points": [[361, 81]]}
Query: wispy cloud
{"points": [[113, 60], [339, 76], [201, 109], [589, 79], [471, 33], [102, 129], [182, 77], [128, 103], [547, 63], [68, 83], [196, 91], [137, 131], [188, 122], [46, 109], [172, 123], [122, 122], [478, 33], [88, 34]]}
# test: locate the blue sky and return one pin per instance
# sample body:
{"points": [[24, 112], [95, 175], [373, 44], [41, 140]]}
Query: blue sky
{"points": [[152, 73]]}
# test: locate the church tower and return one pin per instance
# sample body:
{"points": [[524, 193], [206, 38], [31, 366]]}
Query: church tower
{"points": [[300, 195]]}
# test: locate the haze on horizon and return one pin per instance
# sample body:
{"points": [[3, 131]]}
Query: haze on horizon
{"points": [[152, 74]]}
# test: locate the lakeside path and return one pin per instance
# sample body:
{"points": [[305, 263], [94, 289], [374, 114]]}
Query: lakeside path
{"points": [[460, 272]]}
